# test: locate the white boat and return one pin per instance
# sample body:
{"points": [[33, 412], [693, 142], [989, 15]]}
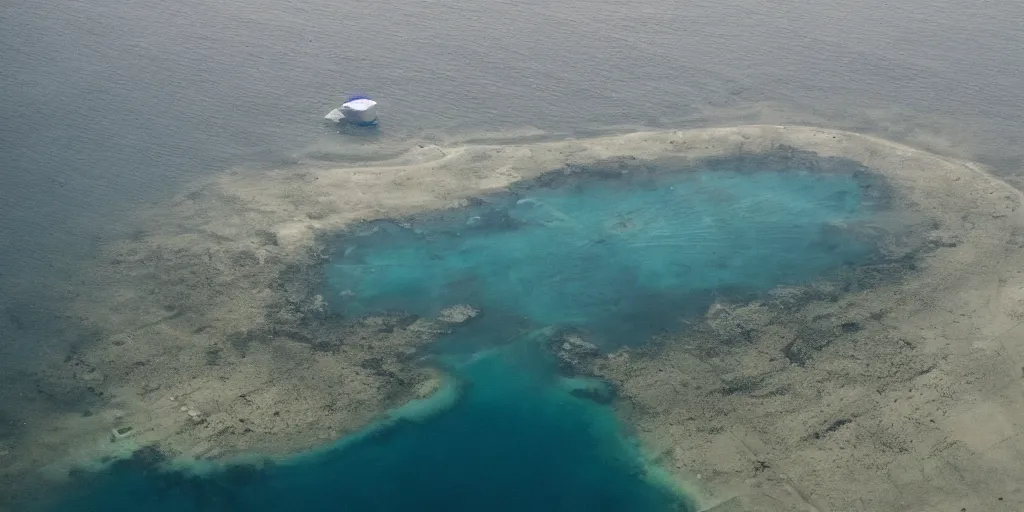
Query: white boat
{"points": [[358, 110]]}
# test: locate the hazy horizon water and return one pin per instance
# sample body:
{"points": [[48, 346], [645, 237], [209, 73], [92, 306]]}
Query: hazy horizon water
{"points": [[107, 107]]}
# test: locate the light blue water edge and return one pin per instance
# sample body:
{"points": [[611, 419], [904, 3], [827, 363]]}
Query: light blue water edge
{"points": [[617, 253], [622, 250]]}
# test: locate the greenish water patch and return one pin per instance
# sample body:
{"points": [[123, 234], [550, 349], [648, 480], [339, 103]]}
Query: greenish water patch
{"points": [[623, 253], [616, 255]]}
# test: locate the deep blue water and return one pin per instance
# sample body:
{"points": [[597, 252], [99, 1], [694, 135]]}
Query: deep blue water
{"points": [[618, 257], [516, 442]]}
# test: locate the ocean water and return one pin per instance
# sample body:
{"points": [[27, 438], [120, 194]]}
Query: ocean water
{"points": [[108, 107], [517, 441], [616, 256]]}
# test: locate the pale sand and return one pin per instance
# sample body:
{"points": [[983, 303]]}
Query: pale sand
{"points": [[214, 304]]}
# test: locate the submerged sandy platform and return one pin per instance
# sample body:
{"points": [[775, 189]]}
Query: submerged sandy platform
{"points": [[881, 393]]}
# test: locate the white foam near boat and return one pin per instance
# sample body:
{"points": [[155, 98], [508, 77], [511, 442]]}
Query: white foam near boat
{"points": [[357, 110]]}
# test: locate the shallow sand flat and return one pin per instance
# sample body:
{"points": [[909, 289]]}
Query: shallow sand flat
{"points": [[215, 305]]}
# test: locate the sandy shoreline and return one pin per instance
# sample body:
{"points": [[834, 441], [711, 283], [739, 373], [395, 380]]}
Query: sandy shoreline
{"points": [[213, 309]]}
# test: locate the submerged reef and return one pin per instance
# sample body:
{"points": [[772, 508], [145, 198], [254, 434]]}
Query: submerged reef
{"points": [[622, 249], [891, 383]]}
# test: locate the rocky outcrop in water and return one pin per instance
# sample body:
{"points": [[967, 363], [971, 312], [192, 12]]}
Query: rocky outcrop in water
{"points": [[572, 351]]}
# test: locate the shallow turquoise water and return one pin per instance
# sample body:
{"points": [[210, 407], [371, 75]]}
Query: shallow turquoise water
{"points": [[622, 256], [619, 257]]}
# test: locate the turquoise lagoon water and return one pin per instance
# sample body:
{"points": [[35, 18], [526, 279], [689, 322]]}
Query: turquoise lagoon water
{"points": [[622, 253], [618, 256]]}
